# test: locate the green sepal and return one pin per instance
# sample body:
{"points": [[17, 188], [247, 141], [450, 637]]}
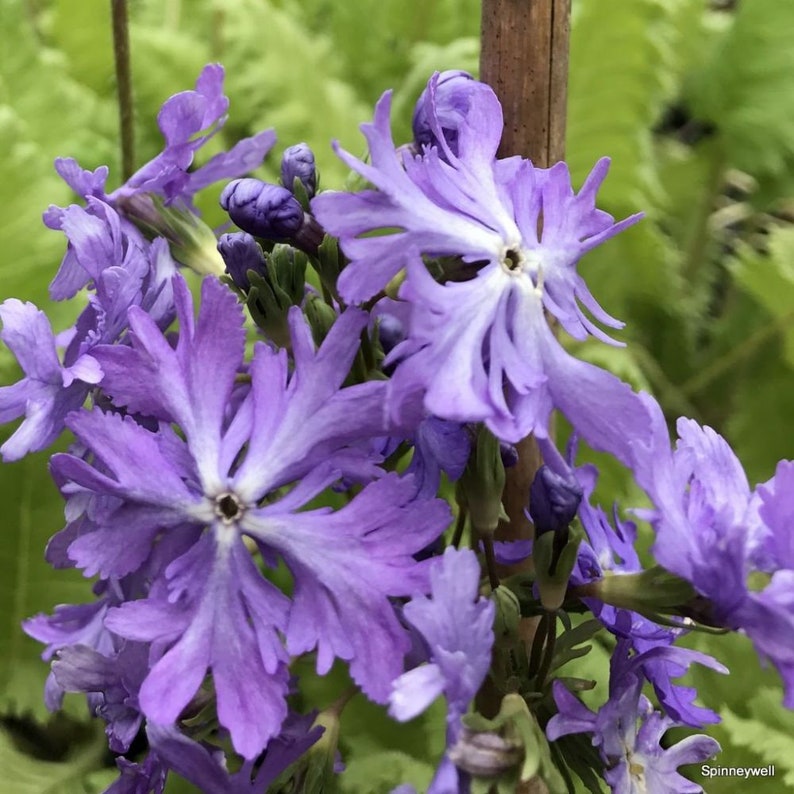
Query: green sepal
{"points": [[570, 646], [320, 316], [299, 191], [329, 263], [192, 243], [313, 772], [553, 566], [654, 590], [273, 294]]}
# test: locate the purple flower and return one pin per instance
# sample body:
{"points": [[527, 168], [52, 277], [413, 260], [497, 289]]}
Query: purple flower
{"points": [[188, 120], [205, 766], [479, 347], [49, 391], [715, 532], [457, 626], [212, 608], [628, 733], [482, 209], [116, 679], [438, 446], [144, 778], [123, 270]]}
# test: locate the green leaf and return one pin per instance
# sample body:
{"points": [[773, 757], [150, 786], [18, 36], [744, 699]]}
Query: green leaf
{"points": [[33, 511], [745, 88], [23, 774], [281, 75], [773, 743], [770, 280], [380, 771]]}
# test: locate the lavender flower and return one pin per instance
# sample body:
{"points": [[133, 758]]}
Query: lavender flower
{"points": [[212, 608], [458, 628], [628, 733], [478, 346], [124, 270], [187, 120], [49, 391], [715, 532]]}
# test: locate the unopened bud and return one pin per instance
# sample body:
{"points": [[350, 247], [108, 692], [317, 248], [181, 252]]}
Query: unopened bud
{"points": [[241, 253], [262, 209], [553, 500], [298, 163]]}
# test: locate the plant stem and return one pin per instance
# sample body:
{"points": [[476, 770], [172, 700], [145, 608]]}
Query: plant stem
{"points": [[548, 650], [490, 561], [121, 52], [460, 524]]}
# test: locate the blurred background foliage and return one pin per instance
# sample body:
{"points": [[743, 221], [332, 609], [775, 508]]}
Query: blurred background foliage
{"points": [[693, 100]]}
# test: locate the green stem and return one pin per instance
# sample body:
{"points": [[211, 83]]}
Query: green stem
{"points": [[535, 653], [490, 561], [460, 524], [121, 52], [549, 648]]}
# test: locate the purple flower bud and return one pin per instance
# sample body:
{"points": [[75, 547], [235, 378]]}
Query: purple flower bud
{"points": [[390, 332], [509, 454], [553, 500], [262, 209], [298, 163], [451, 108], [241, 253]]}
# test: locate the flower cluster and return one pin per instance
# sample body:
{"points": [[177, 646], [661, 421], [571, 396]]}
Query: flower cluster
{"points": [[266, 476]]}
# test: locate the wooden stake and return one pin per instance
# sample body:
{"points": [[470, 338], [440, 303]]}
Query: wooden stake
{"points": [[524, 58]]}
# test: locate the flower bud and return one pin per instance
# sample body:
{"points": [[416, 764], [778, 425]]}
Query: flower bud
{"points": [[390, 332], [297, 162], [262, 209], [451, 107], [553, 500], [241, 253], [509, 454]]}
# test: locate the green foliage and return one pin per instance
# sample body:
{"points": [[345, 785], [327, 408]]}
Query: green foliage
{"points": [[33, 510], [377, 772], [23, 774], [769, 733], [770, 280], [745, 88]]}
